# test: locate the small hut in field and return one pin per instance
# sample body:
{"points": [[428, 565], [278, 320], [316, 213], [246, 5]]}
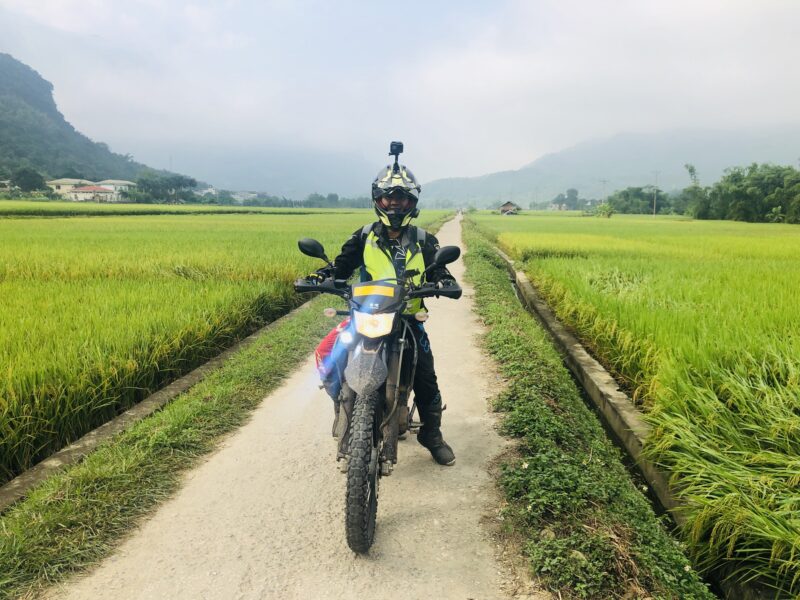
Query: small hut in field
{"points": [[509, 208]]}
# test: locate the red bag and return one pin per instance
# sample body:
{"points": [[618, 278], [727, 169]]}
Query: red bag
{"points": [[325, 348]]}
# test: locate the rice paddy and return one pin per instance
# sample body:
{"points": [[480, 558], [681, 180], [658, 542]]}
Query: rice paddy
{"points": [[47, 208], [699, 321], [98, 312]]}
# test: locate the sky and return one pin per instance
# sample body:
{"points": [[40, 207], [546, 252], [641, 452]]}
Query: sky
{"points": [[470, 87]]}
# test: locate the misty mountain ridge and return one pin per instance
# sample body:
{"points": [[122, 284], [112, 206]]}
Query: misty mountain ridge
{"points": [[623, 160], [33, 133]]}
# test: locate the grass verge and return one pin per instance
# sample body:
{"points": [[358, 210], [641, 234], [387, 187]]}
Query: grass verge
{"points": [[74, 519], [590, 532]]}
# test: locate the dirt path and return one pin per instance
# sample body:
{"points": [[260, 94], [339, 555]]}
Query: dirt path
{"points": [[263, 516]]}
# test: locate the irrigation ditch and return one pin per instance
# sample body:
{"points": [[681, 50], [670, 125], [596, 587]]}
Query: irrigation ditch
{"points": [[620, 417]]}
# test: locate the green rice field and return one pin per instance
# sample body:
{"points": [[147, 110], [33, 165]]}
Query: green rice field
{"points": [[31, 208], [700, 322], [97, 312]]}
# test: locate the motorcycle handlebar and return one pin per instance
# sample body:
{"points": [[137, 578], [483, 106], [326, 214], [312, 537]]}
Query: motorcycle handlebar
{"points": [[338, 287]]}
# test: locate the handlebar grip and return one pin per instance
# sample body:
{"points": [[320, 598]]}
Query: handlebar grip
{"points": [[337, 287], [429, 291], [453, 292], [302, 285]]}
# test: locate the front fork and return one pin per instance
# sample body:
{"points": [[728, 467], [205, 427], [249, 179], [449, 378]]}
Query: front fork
{"points": [[395, 413], [390, 427], [398, 384]]}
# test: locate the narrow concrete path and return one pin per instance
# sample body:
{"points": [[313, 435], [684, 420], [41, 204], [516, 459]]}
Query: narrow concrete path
{"points": [[263, 516]]}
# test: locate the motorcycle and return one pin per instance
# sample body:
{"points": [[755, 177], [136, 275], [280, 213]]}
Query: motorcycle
{"points": [[376, 374]]}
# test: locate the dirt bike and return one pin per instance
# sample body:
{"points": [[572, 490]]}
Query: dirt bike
{"points": [[377, 374]]}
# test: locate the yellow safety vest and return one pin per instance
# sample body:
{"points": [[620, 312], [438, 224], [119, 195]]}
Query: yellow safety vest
{"points": [[379, 265]]}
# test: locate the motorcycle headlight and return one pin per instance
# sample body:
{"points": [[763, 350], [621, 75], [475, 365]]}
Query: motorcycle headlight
{"points": [[373, 326]]}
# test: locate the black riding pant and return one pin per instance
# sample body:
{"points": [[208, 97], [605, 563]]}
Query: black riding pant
{"points": [[426, 389]]}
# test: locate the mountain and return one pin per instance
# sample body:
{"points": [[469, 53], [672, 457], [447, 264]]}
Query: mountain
{"points": [[623, 160], [280, 170], [33, 133]]}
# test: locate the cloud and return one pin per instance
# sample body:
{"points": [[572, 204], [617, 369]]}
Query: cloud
{"points": [[546, 75]]}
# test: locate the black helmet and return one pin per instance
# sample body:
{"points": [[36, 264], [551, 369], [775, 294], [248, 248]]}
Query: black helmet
{"points": [[395, 180]]}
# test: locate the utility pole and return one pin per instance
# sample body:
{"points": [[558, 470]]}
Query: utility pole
{"points": [[603, 197], [655, 192]]}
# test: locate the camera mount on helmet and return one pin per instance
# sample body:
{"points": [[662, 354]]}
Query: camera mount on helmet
{"points": [[395, 149]]}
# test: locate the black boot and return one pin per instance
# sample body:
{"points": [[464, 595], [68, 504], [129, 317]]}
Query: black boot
{"points": [[430, 434]]}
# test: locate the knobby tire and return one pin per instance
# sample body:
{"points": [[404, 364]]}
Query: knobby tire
{"points": [[361, 498]]}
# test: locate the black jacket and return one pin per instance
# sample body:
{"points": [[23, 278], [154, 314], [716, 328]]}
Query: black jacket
{"points": [[352, 255]]}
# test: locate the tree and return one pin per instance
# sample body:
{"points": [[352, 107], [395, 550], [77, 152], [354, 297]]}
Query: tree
{"points": [[226, 198], [28, 180], [775, 215], [572, 199], [605, 210], [753, 193], [693, 199], [639, 200], [71, 173], [179, 188], [692, 173], [170, 188], [560, 201], [314, 200]]}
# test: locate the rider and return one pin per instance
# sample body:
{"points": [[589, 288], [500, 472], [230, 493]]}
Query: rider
{"points": [[388, 248]]}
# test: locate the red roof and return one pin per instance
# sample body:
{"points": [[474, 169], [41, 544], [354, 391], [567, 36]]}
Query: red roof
{"points": [[92, 188]]}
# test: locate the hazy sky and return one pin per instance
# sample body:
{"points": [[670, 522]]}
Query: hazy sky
{"points": [[470, 87]]}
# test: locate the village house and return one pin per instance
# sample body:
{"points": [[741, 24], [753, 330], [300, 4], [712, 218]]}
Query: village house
{"points": [[509, 208], [211, 191], [5, 184], [92, 193], [117, 185], [83, 190], [63, 187]]}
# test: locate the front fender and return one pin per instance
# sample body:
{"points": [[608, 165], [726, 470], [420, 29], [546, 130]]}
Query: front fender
{"points": [[366, 369]]}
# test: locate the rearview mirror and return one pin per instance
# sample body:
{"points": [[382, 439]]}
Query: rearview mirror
{"points": [[312, 248], [446, 254]]}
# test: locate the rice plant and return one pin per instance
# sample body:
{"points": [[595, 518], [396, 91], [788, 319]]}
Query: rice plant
{"points": [[50, 208], [699, 321]]}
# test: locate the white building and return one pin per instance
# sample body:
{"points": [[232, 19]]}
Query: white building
{"points": [[117, 185], [93, 193], [63, 187], [83, 190], [209, 190]]}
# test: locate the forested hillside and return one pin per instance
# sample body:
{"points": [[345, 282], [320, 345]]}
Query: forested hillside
{"points": [[33, 133], [597, 168]]}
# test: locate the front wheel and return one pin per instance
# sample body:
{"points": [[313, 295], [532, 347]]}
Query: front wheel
{"points": [[363, 472]]}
